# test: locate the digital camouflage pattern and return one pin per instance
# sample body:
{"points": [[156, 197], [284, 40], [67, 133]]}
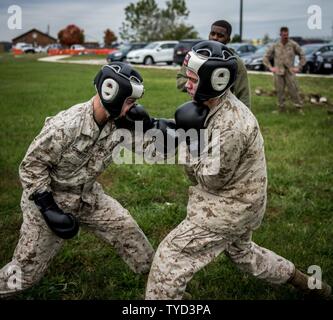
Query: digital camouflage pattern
{"points": [[284, 56], [223, 208], [66, 158], [284, 59]]}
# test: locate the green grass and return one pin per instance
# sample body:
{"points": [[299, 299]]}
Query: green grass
{"points": [[298, 222]]}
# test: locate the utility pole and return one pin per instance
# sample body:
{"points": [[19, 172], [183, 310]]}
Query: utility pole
{"points": [[241, 21]]}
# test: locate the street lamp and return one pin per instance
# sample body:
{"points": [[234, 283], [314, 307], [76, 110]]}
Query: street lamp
{"points": [[241, 21]]}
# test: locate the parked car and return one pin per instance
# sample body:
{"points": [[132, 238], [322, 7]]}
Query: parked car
{"points": [[24, 47], [254, 61], [324, 62], [53, 46], [77, 47], [122, 50], [242, 49], [311, 52], [158, 51], [182, 48]]}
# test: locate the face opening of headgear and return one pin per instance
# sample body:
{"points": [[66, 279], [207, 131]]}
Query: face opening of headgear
{"points": [[216, 67], [116, 82]]}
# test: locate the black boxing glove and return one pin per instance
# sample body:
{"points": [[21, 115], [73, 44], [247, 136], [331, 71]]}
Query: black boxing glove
{"points": [[168, 128], [136, 113], [191, 115], [64, 225]]}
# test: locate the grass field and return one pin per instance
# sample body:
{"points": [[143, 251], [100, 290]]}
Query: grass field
{"points": [[298, 222]]}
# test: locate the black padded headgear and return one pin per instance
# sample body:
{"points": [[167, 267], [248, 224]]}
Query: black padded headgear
{"points": [[216, 67], [116, 82]]}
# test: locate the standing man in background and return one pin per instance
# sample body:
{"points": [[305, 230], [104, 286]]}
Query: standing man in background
{"points": [[283, 54], [221, 31]]}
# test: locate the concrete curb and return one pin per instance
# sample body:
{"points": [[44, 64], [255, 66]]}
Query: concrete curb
{"points": [[59, 58]]}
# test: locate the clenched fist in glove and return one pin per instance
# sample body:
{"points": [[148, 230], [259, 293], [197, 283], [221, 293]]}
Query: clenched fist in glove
{"points": [[136, 113], [191, 115], [64, 225]]}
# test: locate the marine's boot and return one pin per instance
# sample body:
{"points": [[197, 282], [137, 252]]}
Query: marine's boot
{"points": [[301, 282]]}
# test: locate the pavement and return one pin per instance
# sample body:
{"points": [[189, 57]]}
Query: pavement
{"points": [[59, 59]]}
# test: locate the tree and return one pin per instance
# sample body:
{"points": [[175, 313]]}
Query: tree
{"points": [[109, 37], [145, 21], [236, 38], [266, 39], [72, 34]]}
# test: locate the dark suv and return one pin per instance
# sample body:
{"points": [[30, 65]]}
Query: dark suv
{"points": [[122, 51], [311, 52], [182, 48]]}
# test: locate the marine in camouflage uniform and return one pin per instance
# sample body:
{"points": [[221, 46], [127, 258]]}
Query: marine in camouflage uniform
{"points": [[67, 156], [226, 206], [221, 31], [222, 210], [283, 54]]}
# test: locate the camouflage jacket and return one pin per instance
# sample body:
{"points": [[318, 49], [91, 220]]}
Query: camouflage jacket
{"points": [[233, 198], [69, 153], [284, 56], [241, 87]]}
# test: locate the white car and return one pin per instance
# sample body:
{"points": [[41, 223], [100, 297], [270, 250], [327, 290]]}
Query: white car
{"points": [[158, 51], [77, 47], [25, 47]]}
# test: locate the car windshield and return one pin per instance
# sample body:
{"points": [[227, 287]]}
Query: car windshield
{"points": [[261, 50], [234, 46], [310, 48], [124, 47], [186, 45], [152, 45]]}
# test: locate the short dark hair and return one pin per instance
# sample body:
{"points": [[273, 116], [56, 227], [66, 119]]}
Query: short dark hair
{"points": [[284, 29], [225, 24]]}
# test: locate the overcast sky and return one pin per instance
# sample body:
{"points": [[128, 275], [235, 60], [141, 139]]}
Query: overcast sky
{"points": [[95, 16]]}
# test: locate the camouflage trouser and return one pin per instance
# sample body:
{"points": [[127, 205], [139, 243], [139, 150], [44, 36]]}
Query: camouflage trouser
{"points": [[287, 80], [188, 248], [38, 245]]}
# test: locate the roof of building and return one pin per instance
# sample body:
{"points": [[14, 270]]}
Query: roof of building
{"points": [[34, 30]]}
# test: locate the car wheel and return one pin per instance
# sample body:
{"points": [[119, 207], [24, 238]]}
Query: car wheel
{"points": [[148, 60], [169, 63], [307, 68]]}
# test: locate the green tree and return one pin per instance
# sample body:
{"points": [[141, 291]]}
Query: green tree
{"points": [[141, 21], [266, 39], [236, 38], [145, 21]]}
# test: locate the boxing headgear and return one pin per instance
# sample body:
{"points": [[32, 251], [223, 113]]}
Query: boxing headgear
{"points": [[216, 67], [116, 82]]}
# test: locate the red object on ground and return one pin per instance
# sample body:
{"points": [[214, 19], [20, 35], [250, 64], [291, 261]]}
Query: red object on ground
{"points": [[103, 51], [16, 51]]}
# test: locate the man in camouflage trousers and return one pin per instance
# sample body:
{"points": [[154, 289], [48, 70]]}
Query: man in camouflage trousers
{"points": [[227, 205], [58, 175], [283, 54], [221, 32]]}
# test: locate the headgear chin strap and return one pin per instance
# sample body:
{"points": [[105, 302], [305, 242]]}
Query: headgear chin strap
{"points": [[216, 67], [115, 83]]}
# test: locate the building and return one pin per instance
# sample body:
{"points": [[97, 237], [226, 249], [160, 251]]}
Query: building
{"points": [[5, 46], [35, 38]]}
